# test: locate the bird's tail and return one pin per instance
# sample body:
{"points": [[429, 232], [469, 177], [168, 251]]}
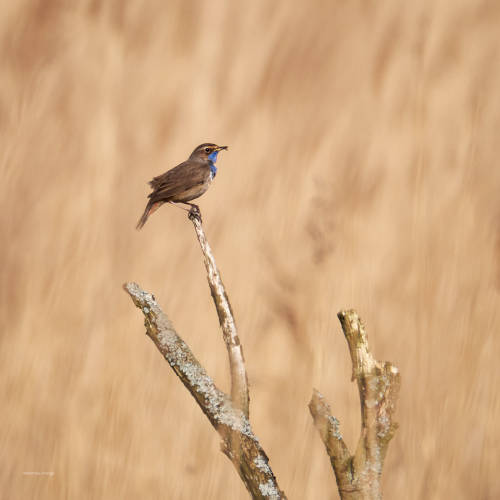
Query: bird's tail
{"points": [[151, 207]]}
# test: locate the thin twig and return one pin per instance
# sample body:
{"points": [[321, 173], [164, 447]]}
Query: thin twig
{"points": [[251, 461], [239, 381], [359, 476], [329, 430]]}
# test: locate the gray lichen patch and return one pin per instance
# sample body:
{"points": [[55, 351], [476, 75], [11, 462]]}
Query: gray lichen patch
{"points": [[167, 339], [230, 421], [384, 425], [335, 427], [262, 464], [269, 490], [235, 420], [199, 379], [177, 353]]}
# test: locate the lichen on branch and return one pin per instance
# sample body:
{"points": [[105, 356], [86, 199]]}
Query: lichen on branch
{"points": [[359, 476]]}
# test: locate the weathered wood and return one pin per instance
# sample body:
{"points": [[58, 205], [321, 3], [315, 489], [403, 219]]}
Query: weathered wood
{"points": [[250, 460], [239, 381], [359, 476]]}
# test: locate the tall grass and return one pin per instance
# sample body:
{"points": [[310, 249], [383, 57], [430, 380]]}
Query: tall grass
{"points": [[362, 172]]}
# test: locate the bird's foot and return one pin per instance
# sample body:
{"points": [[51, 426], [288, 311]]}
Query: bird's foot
{"points": [[194, 213]]}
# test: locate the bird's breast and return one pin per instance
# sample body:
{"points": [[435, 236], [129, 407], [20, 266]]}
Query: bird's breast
{"points": [[213, 170], [192, 192]]}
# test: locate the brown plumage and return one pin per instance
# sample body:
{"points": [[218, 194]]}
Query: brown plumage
{"points": [[185, 182]]}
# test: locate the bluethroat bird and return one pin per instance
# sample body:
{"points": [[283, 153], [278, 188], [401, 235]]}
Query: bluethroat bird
{"points": [[185, 182]]}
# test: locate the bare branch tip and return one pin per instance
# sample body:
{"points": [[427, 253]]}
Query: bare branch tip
{"points": [[393, 369], [316, 393], [317, 398], [130, 287], [348, 313], [320, 409]]}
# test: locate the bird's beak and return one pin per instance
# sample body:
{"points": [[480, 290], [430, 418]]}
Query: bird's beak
{"points": [[220, 148]]}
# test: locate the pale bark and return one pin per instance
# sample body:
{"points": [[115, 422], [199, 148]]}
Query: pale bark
{"points": [[359, 475], [239, 380], [251, 461], [228, 414]]}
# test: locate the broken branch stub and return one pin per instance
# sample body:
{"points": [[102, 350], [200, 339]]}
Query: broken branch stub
{"points": [[359, 476]]}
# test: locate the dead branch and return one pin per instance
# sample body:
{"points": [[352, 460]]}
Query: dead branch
{"points": [[359, 475], [251, 461], [239, 380], [228, 415]]}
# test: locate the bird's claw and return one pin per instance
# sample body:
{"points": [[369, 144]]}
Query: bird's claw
{"points": [[194, 213]]}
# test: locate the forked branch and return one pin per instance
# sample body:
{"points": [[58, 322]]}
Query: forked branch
{"points": [[359, 475], [228, 415]]}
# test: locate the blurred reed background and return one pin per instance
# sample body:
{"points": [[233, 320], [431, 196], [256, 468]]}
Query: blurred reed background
{"points": [[363, 171]]}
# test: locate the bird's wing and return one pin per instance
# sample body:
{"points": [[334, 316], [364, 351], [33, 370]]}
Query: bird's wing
{"points": [[180, 178]]}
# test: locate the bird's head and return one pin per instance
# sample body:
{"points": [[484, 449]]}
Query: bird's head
{"points": [[206, 152]]}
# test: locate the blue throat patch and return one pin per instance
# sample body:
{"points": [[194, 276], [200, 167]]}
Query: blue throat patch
{"points": [[213, 158]]}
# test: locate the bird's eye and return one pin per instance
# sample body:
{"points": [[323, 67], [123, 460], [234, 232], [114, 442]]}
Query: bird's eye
{"points": [[207, 150]]}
